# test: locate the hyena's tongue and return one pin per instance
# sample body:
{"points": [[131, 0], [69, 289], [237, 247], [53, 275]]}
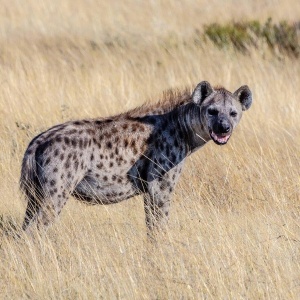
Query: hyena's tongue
{"points": [[220, 138]]}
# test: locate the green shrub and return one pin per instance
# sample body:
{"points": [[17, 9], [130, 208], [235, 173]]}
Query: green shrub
{"points": [[242, 35]]}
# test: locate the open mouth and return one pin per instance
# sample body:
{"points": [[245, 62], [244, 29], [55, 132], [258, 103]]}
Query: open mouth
{"points": [[220, 139]]}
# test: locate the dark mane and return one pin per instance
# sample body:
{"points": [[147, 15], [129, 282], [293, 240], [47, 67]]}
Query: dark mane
{"points": [[169, 100]]}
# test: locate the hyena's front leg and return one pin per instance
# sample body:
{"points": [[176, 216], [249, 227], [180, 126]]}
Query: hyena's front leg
{"points": [[156, 210], [157, 199]]}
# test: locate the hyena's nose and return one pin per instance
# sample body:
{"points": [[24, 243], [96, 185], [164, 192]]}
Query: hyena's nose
{"points": [[223, 126]]}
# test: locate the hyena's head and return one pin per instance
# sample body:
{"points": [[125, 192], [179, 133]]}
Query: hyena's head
{"points": [[220, 110]]}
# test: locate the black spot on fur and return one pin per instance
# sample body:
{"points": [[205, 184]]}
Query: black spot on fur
{"points": [[85, 143], [107, 135], [114, 130], [76, 163], [58, 139], [72, 131], [90, 131], [67, 164], [168, 150], [134, 127], [67, 140], [160, 204], [172, 131], [151, 139], [176, 144], [51, 192], [173, 157]]}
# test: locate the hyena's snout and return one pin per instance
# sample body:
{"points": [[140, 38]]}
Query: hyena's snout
{"points": [[222, 126], [221, 130]]}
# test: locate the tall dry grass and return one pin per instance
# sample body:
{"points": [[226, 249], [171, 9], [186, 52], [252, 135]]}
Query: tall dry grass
{"points": [[234, 229]]}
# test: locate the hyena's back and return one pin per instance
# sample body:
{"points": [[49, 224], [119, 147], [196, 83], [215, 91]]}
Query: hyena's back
{"points": [[90, 159]]}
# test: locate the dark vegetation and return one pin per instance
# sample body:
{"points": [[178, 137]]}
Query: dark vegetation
{"points": [[280, 38]]}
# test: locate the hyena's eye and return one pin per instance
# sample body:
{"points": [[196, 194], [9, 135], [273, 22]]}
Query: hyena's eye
{"points": [[233, 114], [213, 112]]}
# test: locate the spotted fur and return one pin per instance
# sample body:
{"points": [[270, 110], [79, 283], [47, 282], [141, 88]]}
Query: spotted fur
{"points": [[142, 151]]}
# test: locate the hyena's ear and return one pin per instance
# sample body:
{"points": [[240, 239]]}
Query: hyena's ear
{"points": [[244, 95], [202, 91]]}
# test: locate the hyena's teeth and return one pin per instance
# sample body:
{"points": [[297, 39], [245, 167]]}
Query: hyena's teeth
{"points": [[220, 138]]}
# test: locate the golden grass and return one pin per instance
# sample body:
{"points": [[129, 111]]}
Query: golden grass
{"points": [[234, 229]]}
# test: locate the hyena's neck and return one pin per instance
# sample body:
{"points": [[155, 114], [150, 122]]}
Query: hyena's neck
{"points": [[188, 119]]}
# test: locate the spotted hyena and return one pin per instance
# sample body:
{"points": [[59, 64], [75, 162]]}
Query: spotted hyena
{"points": [[142, 151]]}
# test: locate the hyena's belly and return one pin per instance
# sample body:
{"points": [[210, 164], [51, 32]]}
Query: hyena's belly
{"points": [[104, 190]]}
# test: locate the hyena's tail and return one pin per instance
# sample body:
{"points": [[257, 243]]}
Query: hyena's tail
{"points": [[30, 183]]}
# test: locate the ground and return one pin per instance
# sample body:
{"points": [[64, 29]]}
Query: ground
{"points": [[234, 225]]}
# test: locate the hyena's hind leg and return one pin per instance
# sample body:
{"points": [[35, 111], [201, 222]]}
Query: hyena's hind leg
{"points": [[42, 211], [33, 206]]}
